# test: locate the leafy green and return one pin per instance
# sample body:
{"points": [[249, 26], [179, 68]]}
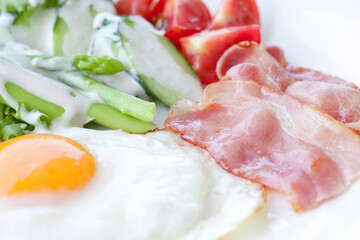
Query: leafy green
{"points": [[18, 6], [97, 65], [13, 5], [10, 126], [51, 3]]}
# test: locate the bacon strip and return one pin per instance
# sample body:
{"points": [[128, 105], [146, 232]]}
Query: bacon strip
{"points": [[249, 61], [305, 74], [272, 139], [331, 95], [278, 54], [339, 101], [300, 73]]}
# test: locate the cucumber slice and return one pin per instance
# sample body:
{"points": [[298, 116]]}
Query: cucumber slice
{"points": [[34, 27], [78, 16], [59, 27], [60, 30], [13, 5], [162, 69], [124, 82]]}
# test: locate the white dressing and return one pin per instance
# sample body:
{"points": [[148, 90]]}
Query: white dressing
{"points": [[75, 105], [121, 81], [36, 2], [6, 19], [38, 32], [124, 82], [78, 17], [157, 63]]}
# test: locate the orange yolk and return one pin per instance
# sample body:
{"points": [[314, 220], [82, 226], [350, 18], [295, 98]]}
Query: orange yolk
{"points": [[42, 162]]}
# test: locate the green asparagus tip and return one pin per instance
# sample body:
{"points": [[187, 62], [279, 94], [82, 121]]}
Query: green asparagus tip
{"points": [[97, 65]]}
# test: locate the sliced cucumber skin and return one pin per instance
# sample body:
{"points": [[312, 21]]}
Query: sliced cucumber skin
{"points": [[158, 91], [163, 90], [103, 114], [79, 16], [13, 6], [24, 18], [34, 27], [71, 25], [60, 30], [179, 58]]}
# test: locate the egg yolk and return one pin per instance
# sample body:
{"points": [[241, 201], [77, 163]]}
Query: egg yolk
{"points": [[43, 162]]}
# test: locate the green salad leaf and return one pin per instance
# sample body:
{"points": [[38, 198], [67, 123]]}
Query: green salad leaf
{"points": [[10, 126], [18, 6]]}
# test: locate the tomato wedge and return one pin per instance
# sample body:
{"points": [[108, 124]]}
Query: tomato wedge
{"points": [[235, 13], [184, 18], [156, 8], [204, 49], [146, 8], [133, 7]]}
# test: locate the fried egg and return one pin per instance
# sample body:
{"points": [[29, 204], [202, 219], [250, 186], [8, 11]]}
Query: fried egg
{"points": [[89, 184]]}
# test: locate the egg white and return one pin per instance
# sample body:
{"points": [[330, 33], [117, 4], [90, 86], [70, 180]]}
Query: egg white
{"points": [[152, 186]]}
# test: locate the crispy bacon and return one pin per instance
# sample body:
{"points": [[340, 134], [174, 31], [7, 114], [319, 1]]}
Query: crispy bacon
{"points": [[273, 139], [249, 61]]}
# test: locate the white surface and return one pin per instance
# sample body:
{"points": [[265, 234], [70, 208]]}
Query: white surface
{"points": [[322, 35]]}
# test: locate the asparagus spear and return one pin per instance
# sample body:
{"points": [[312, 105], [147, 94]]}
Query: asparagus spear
{"points": [[109, 117], [66, 69], [123, 102], [97, 65], [102, 114], [84, 63], [26, 102]]}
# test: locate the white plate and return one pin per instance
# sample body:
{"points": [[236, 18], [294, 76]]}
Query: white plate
{"points": [[322, 35]]}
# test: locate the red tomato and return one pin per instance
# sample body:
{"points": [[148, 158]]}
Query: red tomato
{"points": [[156, 8], [133, 7], [204, 49], [184, 18], [146, 8], [235, 13]]}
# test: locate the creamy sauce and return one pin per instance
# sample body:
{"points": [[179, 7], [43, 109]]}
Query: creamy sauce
{"points": [[151, 65], [101, 46], [77, 15], [170, 74], [76, 107], [39, 33], [36, 2], [6, 20], [53, 64], [124, 82]]}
